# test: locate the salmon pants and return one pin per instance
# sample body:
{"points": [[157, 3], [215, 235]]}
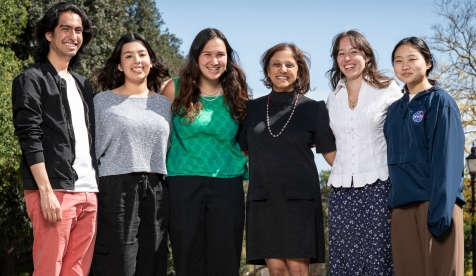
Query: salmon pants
{"points": [[65, 247], [417, 252]]}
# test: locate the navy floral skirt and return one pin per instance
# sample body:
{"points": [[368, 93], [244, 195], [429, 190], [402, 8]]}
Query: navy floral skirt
{"points": [[359, 231]]}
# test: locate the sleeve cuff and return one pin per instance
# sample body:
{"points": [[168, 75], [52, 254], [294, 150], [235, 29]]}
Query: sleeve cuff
{"points": [[438, 230], [325, 149], [35, 158]]}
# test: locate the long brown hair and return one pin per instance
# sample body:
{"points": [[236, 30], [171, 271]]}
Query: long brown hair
{"points": [[303, 83], [371, 74], [233, 80]]}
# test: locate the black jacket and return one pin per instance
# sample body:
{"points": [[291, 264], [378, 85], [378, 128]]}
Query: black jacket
{"points": [[42, 120]]}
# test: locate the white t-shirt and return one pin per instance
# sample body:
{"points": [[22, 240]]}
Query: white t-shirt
{"points": [[82, 162], [361, 146]]}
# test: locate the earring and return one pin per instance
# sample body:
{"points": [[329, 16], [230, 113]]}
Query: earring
{"points": [[340, 74]]}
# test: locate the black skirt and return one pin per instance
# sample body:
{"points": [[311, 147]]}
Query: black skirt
{"points": [[284, 228]]}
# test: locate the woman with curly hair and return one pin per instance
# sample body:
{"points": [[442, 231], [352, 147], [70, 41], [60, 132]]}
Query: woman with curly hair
{"points": [[205, 164]]}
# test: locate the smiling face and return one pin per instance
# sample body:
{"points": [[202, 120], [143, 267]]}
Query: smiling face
{"points": [[283, 71], [67, 37], [212, 60], [351, 60], [410, 67], [135, 62]]}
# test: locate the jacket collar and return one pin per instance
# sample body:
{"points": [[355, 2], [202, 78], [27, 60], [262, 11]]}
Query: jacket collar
{"points": [[415, 101], [51, 69]]}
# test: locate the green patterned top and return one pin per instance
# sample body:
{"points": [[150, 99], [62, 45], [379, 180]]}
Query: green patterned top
{"points": [[207, 146]]}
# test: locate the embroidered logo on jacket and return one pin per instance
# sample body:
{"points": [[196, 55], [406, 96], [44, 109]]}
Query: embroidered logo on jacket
{"points": [[418, 116]]}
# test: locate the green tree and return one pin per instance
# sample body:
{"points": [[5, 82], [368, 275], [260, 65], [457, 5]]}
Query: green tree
{"points": [[17, 21], [325, 194], [14, 225], [112, 19], [145, 18]]}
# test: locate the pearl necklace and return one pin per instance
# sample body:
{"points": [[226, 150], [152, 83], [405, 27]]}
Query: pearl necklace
{"points": [[210, 100], [290, 116]]}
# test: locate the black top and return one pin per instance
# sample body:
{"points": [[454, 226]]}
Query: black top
{"points": [[289, 155], [284, 210], [43, 124]]}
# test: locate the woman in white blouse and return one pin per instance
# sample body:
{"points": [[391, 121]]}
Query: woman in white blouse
{"points": [[359, 220]]}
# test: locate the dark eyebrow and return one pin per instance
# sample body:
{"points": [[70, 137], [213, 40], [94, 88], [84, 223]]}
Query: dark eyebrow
{"points": [[410, 55], [68, 26], [130, 52], [209, 52]]}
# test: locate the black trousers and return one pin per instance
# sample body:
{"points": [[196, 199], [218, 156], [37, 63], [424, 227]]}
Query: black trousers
{"points": [[206, 224], [133, 213]]}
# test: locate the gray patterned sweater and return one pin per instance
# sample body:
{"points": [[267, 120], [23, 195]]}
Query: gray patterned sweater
{"points": [[132, 134]]}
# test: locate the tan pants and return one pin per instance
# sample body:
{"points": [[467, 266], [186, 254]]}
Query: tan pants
{"points": [[417, 252]]}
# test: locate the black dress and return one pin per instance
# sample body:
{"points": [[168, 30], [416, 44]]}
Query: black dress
{"points": [[284, 210]]}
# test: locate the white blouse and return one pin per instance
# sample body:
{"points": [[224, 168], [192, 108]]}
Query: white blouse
{"points": [[361, 146]]}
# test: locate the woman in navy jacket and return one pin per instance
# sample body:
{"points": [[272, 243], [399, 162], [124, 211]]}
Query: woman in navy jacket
{"points": [[425, 144]]}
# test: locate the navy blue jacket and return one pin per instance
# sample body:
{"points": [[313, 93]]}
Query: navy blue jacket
{"points": [[425, 152]]}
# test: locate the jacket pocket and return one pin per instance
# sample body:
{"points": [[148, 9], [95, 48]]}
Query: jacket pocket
{"points": [[306, 195], [256, 195], [101, 249]]}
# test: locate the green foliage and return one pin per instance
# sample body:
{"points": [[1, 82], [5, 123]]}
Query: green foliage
{"points": [[468, 219], [112, 19], [15, 228], [325, 194], [17, 21], [145, 19], [12, 18]]}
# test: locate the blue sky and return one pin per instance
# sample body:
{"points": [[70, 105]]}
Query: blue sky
{"points": [[252, 27]]}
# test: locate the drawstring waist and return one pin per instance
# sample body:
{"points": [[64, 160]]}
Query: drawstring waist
{"points": [[144, 182]]}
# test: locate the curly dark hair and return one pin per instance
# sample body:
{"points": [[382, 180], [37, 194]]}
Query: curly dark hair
{"points": [[109, 76], [233, 80], [371, 74], [49, 22], [303, 82]]}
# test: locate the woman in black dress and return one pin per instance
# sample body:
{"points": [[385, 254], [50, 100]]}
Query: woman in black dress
{"points": [[284, 211]]}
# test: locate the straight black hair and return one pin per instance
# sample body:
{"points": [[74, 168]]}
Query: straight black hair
{"points": [[421, 46]]}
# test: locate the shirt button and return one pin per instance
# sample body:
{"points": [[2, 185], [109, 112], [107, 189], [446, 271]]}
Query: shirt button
{"points": [[351, 119], [352, 155]]}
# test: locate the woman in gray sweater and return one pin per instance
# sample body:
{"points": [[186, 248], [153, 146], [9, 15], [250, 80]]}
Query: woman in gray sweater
{"points": [[133, 127]]}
